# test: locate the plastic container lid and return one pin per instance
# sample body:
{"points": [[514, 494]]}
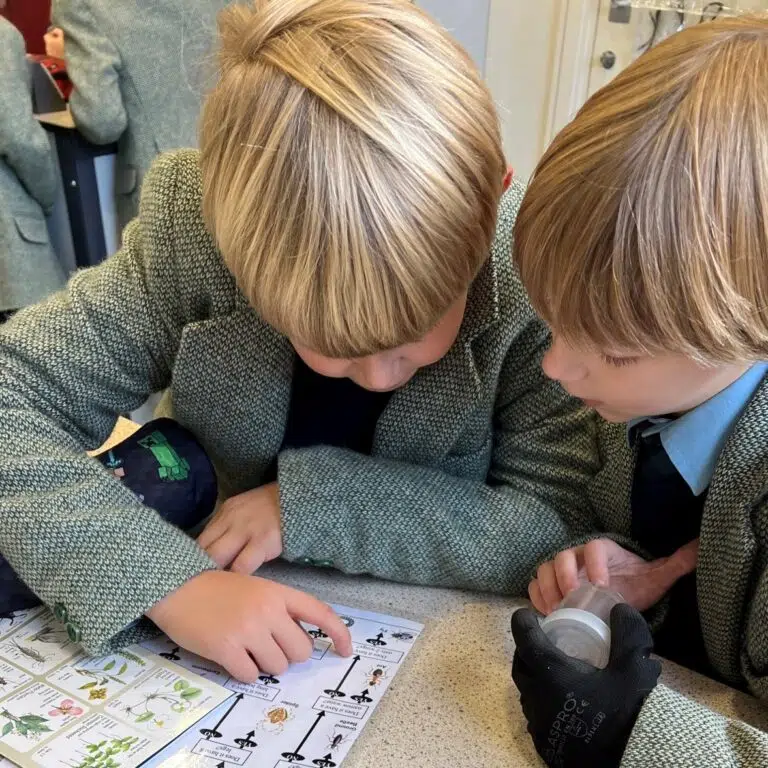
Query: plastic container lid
{"points": [[579, 634]]}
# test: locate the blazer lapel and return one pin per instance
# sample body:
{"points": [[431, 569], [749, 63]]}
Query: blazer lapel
{"points": [[440, 397], [728, 548], [233, 380]]}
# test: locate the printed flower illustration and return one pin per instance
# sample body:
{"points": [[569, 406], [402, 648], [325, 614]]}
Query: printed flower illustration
{"points": [[67, 707], [97, 693]]}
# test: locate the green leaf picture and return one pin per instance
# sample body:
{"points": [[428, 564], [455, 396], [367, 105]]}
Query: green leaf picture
{"points": [[134, 658], [191, 693], [180, 685], [144, 717], [109, 666], [32, 719], [87, 686], [123, 669], [7, 728]]}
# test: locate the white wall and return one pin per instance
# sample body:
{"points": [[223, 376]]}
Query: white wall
{"points": [[524, 43], [535, 55]]}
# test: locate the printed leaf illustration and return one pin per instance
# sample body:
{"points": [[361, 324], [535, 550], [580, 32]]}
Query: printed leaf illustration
{"points": [[32, 719], [180, 685], [191, 693], [109, 666], [146, 716], [134, 658], [7, 728], [87, 686], [123, 670]]}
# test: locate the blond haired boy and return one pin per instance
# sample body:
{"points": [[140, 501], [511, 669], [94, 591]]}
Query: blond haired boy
{"points": [[326, 294], [643, 241]]}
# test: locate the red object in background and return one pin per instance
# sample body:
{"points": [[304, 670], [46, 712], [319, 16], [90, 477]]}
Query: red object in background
{"points": [[57, 69], [31, 18]]}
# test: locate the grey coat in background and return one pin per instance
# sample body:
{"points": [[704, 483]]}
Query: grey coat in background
{"points": [[140, 71], [29, 269]]}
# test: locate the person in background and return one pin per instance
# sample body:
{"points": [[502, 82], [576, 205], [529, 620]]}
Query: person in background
{"points": [[54, 43], [326, 292], [643, 242], [139, 72], [29, 268]]}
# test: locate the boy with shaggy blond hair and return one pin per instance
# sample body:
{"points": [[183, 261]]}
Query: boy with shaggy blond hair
{"points": [[643, 242], [325, 294]]}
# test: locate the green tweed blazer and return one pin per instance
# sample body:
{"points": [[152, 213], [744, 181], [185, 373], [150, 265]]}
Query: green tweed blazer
{"points": [[732, 585], [478, 469], [29, 269]]}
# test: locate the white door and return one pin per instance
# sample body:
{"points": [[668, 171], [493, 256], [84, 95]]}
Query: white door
{"points": [[626, 28]]}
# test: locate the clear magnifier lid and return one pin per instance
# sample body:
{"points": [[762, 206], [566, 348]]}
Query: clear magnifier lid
{"points": [[580, 635]]}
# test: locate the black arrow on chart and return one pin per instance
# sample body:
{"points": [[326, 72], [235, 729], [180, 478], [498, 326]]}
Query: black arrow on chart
{"points": [[335, 692], [247, 741], [213, 733], [324, 762], [362, 698], [296, 756]]}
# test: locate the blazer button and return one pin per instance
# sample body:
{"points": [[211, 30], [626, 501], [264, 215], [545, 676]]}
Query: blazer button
{"points": [[305, 561], [324, 563], [60, 612], [73, 631]]}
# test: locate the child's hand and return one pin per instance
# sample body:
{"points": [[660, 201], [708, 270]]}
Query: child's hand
{"points": [[246, 624], [245, 532], [642, 583]]}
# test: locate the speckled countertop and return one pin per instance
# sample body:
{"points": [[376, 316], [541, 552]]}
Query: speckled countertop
{"points": [[453, 702]]}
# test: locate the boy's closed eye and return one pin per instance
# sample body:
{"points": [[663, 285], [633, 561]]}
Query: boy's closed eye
{"points": [[618, 362]]}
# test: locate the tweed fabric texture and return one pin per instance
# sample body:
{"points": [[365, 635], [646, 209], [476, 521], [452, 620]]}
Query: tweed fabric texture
{"points": [[674, 732], [479, 464], [29, 269], [732, 588], [140, 71]]}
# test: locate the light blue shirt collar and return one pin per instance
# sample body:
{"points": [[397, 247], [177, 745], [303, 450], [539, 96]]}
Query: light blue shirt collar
{"points": [[694, 441]]}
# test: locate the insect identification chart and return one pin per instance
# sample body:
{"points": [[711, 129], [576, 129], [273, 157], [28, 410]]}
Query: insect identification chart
{"points": [[60, 708], [310, 716]]}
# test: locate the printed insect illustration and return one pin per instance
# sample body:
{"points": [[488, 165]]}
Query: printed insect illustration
{"points": [[31, 653], [172, 655], [336, 740], [275, 719], [405, 637], [376, 675], [49, 635], [67, 707], [317, 634], [10, 617], [379, 639]]}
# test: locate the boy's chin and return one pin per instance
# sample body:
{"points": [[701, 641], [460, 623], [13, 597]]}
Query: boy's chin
{"points": [[609, 414]]}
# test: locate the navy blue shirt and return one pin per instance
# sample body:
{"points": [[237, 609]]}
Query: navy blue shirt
{"points": [[676, 459], [326, 411]]}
